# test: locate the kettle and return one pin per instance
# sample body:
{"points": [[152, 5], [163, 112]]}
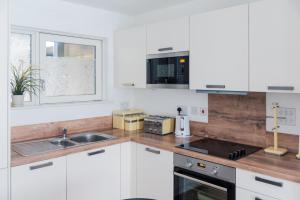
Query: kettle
{"points": [[182, 125]]}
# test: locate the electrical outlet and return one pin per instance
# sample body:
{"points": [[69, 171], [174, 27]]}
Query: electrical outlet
{"points": [[198, 111], [198, 114], [204, 112], [287, 116]]}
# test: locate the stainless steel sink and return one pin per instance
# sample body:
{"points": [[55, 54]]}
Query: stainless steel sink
{"points": [[62, 143], [90, 138], [54, 144]]}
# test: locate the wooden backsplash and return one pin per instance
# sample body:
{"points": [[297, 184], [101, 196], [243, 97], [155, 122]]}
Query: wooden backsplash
{"points": [[240, 119], [53, 129]]}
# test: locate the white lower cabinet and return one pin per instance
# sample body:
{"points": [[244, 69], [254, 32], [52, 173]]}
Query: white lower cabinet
{"points": [[4, 184], [266, 185], [94, 175], [242, 194], [128, 170], [44, 180], [154, 173]]}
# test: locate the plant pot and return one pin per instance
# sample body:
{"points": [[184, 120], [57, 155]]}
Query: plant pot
{"points": [[17, 100]]}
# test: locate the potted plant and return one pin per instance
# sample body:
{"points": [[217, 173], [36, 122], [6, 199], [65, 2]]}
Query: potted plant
{"points": [[22, 80]]}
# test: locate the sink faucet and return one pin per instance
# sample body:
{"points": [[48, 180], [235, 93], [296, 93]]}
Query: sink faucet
{"points": [[65, 133]]}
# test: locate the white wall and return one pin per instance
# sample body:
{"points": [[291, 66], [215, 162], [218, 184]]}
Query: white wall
{"points": [[62, 16]]}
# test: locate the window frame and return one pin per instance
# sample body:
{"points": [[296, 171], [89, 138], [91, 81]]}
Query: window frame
{"points": [[34, 100], [101, 68], [43, 37]]}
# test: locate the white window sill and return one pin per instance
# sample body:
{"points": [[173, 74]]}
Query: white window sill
{"points": [[71, 104]]}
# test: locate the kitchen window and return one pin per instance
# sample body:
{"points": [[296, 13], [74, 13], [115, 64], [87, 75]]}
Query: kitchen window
{"points": [[70, 67], [21, 52]]}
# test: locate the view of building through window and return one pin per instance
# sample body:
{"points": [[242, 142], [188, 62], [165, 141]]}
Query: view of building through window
{"points": [[70, 68]]}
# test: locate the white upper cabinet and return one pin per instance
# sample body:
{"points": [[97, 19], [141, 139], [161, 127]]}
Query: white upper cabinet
{"points": [[275, 46], [168, 36], [219, 50], [130, 57]]}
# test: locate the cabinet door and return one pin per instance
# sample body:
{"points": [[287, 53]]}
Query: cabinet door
{"points": [[154, 173], [267, 185], [4, 103], [128, 170], [275, 46], [219, 50], [130, 58], [94, 175], [42, 180], [242, 194], [4, 184], [168, 36]]}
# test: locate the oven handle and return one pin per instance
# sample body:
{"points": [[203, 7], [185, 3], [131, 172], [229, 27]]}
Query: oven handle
{"points": [[200, 181]]}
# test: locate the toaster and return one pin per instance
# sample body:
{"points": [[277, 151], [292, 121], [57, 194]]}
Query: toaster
{"points": [[160, 125]]}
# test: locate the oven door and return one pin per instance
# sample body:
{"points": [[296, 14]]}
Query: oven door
{"points": [[168, 71], [193, 186]]}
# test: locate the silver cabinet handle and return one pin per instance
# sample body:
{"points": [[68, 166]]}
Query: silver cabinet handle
{"points": [[96, 152], [48, 164], [152, 150], [287, 88], [129, 84], [269, 182], [216, 86], [166, 49]]}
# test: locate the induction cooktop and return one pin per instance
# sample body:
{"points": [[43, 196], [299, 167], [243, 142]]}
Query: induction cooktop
{"points": [[219, 148]]}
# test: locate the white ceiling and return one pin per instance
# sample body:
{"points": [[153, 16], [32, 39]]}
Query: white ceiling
{"points": [[130, 7]]}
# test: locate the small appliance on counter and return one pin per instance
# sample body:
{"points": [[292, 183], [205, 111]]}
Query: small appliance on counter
{"points": [[128, 119], [182, 125], [160, 125]]}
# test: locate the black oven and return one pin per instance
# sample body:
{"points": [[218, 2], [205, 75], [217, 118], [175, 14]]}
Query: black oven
{"points": [[169, 70], [202, 180]]}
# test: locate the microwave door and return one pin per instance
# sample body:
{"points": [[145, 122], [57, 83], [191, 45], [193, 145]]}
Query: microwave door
{"points": [[161, 71], [170, 72]]}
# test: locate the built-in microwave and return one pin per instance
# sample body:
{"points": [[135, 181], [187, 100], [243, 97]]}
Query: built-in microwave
{"points": [[170, 70]]}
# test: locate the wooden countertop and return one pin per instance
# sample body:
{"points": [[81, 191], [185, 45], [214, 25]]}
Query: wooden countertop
{"points": [[286, 167]]}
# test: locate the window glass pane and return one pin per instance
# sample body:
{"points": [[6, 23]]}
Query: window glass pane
{"points": [[21, 52], [69, 69]]}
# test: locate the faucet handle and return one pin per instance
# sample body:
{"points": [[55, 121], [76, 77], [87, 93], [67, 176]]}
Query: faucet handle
{"points": [[65, 132]]}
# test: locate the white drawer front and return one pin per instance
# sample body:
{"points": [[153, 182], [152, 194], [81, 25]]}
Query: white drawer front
{"points": [[242, 194], [267, 185]]}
